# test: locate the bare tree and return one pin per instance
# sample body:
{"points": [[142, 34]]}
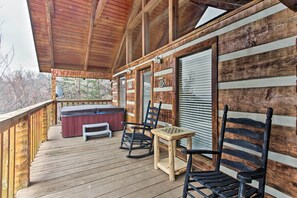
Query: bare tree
{"points": [[78, 88], [23, 88], [5, 57]]}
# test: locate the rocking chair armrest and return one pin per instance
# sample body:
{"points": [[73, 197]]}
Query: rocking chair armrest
{"points": [[248, 176], [132, 123], [199, 151]]}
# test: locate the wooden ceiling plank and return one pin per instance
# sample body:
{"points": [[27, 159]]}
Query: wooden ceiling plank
{"points": [[91, 27], [49, 8]]}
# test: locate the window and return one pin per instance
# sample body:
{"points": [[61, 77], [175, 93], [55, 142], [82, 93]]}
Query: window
{"points": [[210, 14], [146, 91], [195, 100], [122, 92]]}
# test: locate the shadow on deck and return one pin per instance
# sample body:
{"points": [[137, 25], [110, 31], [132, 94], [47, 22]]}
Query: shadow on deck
{"points": [[73, 168]]}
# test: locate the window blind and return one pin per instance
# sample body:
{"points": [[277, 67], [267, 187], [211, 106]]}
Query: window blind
{"points": [[195, 100]]}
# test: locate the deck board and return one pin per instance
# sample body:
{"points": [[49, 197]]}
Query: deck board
{"points": [[71, 167]]}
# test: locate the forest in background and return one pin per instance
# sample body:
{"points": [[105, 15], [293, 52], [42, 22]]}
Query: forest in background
{"points": [[87, 89]]}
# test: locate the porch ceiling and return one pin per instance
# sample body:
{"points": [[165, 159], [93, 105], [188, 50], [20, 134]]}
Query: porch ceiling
{"points": [[88, 35]]}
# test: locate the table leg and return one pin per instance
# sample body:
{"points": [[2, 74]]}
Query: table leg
{"points": [[156, 152], [189, 145], [174, 148], [171, 160]]}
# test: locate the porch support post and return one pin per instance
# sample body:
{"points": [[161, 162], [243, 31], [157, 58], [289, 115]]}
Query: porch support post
{"points": [[145, 31], [173, 19], [54, 98], [129, 46]]}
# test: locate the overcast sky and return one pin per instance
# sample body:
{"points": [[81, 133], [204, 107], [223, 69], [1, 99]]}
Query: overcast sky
{"points": [[16, 31]]}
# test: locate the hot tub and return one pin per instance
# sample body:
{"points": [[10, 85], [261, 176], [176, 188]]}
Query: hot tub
{"points": [[74, 117]]}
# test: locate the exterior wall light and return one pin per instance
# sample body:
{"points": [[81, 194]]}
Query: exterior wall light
{"points": [[158, 59]]}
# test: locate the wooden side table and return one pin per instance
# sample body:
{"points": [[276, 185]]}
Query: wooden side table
{"points": [[171, 165]]}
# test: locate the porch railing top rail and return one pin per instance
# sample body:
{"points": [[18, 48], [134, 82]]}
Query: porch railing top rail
{"points": [[86, 100], [8, 119]]}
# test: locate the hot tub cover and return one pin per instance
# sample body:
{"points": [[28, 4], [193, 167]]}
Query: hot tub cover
{"points": [[89, 110]]}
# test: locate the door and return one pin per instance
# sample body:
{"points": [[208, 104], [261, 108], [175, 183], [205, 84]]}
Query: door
{"points": [[145, 89]]}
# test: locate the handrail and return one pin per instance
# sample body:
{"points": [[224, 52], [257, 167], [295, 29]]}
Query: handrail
{"points": [[10, 118], [79, 101], [21, 134]]}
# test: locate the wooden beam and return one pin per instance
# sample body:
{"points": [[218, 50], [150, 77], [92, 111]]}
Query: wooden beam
{"points": [[120, 46], [145, 31], [173, 19], [80, 74], [54, 83], [51, 8], [129, 46], [99, 10], [135, 21], [164, 14], [133, 13], [222, 4], [148, 7], [151, 5], [49, 11], [61, 65], [91, 27]]}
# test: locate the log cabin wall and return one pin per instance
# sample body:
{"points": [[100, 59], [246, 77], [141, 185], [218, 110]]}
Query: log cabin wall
{"points": [[131, 99], [115, 91], [256, 69]]}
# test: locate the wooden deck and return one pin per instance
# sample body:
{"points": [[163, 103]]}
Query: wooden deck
{"points": [[97, 168]]}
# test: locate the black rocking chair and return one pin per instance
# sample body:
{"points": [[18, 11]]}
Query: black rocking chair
{"points": [[138, 139], [244, 149]]}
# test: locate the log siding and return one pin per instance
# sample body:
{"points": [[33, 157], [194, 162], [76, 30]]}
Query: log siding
{"points": [[256, 69]]}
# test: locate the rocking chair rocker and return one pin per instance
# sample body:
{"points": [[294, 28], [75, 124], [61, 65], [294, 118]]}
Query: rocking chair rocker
{"points": [[138, 139]]}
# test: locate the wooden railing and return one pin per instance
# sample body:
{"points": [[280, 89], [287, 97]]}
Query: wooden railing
{"points": [[64, 103], [21, 133]]}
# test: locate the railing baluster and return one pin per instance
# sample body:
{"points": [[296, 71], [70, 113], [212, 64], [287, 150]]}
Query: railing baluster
{"points": [[20, 138], [22, 158], [1, 163], [13, 173], [5, 164], [11, 162]]}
